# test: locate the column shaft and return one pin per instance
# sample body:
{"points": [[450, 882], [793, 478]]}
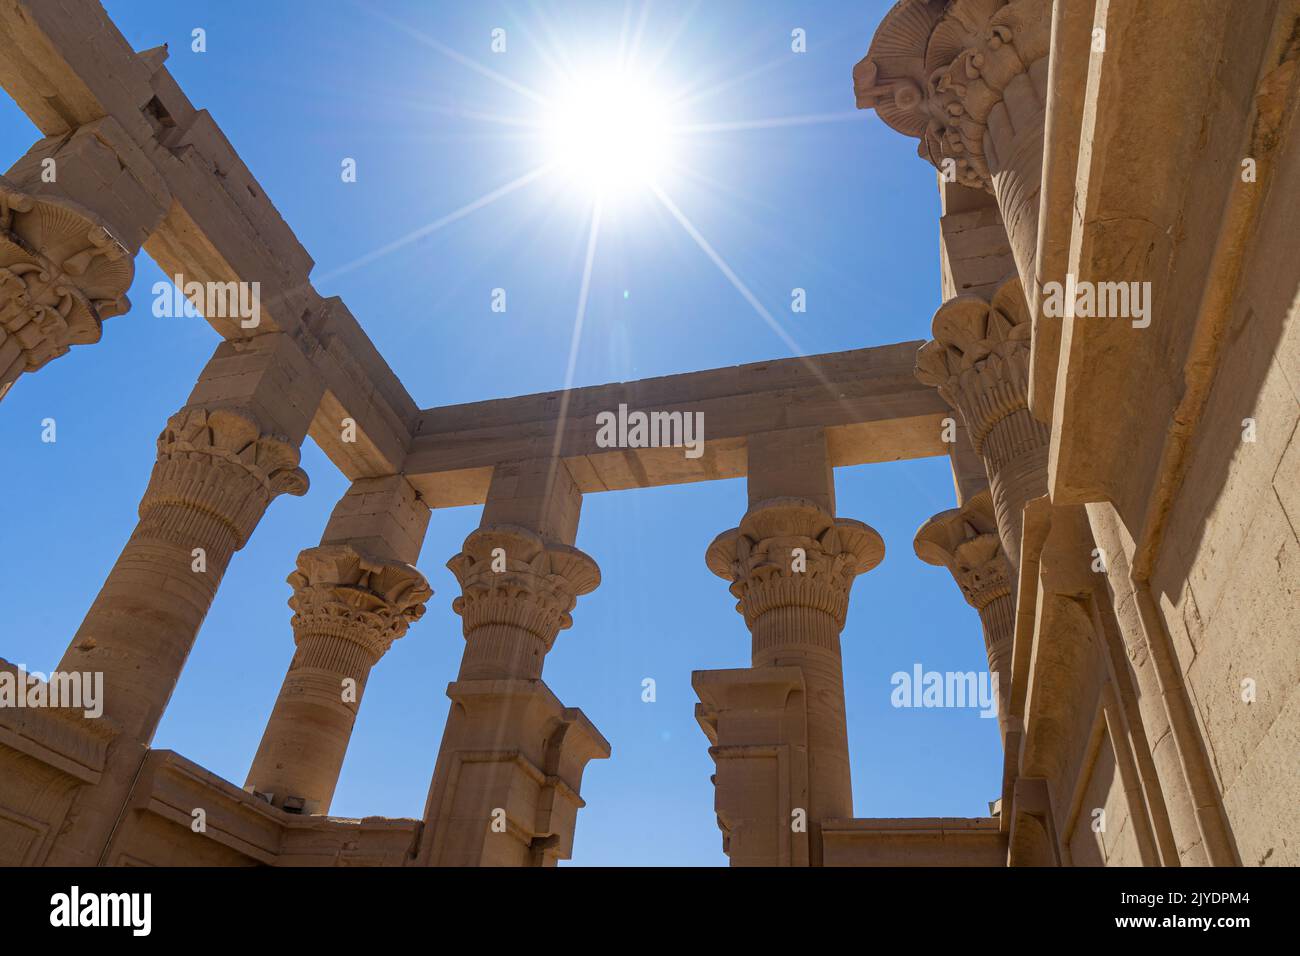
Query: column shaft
{"points": [[216, 473]]}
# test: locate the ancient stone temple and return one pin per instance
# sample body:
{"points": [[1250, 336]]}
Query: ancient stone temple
{"points": [[1112, 368]]}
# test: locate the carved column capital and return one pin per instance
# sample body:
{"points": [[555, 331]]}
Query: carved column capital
{"points": [[965, 541], [789, 552], [936, 69], [979, 362], [343, 592], [221, 465], [62, 273], [510, 576]]}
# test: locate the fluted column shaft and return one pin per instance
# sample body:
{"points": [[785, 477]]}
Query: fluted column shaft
{"points": [[216, 473], [349, 607], [809, 638]]}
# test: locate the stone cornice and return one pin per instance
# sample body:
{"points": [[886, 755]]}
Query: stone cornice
{"points": [[511, 576], [789, 552]]}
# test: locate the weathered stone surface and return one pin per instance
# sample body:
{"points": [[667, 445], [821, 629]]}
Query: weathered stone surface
{"points": [[1131, 546]]}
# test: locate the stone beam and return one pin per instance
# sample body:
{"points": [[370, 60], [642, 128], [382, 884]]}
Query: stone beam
{"points": [[67, 66], [867, 400]]}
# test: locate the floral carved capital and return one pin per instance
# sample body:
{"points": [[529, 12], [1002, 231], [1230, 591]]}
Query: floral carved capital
{"points": [[342, 591], [61, 275], [965, 541], [790, 552], [512, 576], [937, 68], [979, 357], [224, 463]]}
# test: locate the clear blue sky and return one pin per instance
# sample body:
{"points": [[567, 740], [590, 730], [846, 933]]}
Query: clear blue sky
{"points": [[841, 207]]}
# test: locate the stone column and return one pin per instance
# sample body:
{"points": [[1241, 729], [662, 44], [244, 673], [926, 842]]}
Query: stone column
{"points": [[791, 564], [969, 79], [965, 541], [217, 470], [74, 211], [979, 362], [349, 606], [505, 788], [353, 596], [221, 460]]}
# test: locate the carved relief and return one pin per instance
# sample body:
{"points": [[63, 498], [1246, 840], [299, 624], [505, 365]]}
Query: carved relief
{"points": [[965, 541], [979, 362]]}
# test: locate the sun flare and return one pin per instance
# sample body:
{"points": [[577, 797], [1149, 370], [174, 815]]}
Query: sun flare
{"points": [[609, 133]]}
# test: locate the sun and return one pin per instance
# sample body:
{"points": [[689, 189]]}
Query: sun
{"points": [[609, 132]]}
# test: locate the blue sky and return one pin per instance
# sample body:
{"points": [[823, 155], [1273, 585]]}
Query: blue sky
{"points": [[840, 206]]}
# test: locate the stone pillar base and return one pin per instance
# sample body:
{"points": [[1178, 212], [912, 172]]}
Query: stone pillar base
{"points": [[756, 722], [515, 805]]}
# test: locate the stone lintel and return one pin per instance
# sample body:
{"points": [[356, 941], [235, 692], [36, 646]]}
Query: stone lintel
{"points": [[867, 400]]}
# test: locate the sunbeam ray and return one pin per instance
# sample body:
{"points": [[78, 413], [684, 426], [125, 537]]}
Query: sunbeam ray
{"points": [[810, 119], [437, 224], [727, 271], [795, 348], [578, 320], [687, 97], [453, 55]]}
